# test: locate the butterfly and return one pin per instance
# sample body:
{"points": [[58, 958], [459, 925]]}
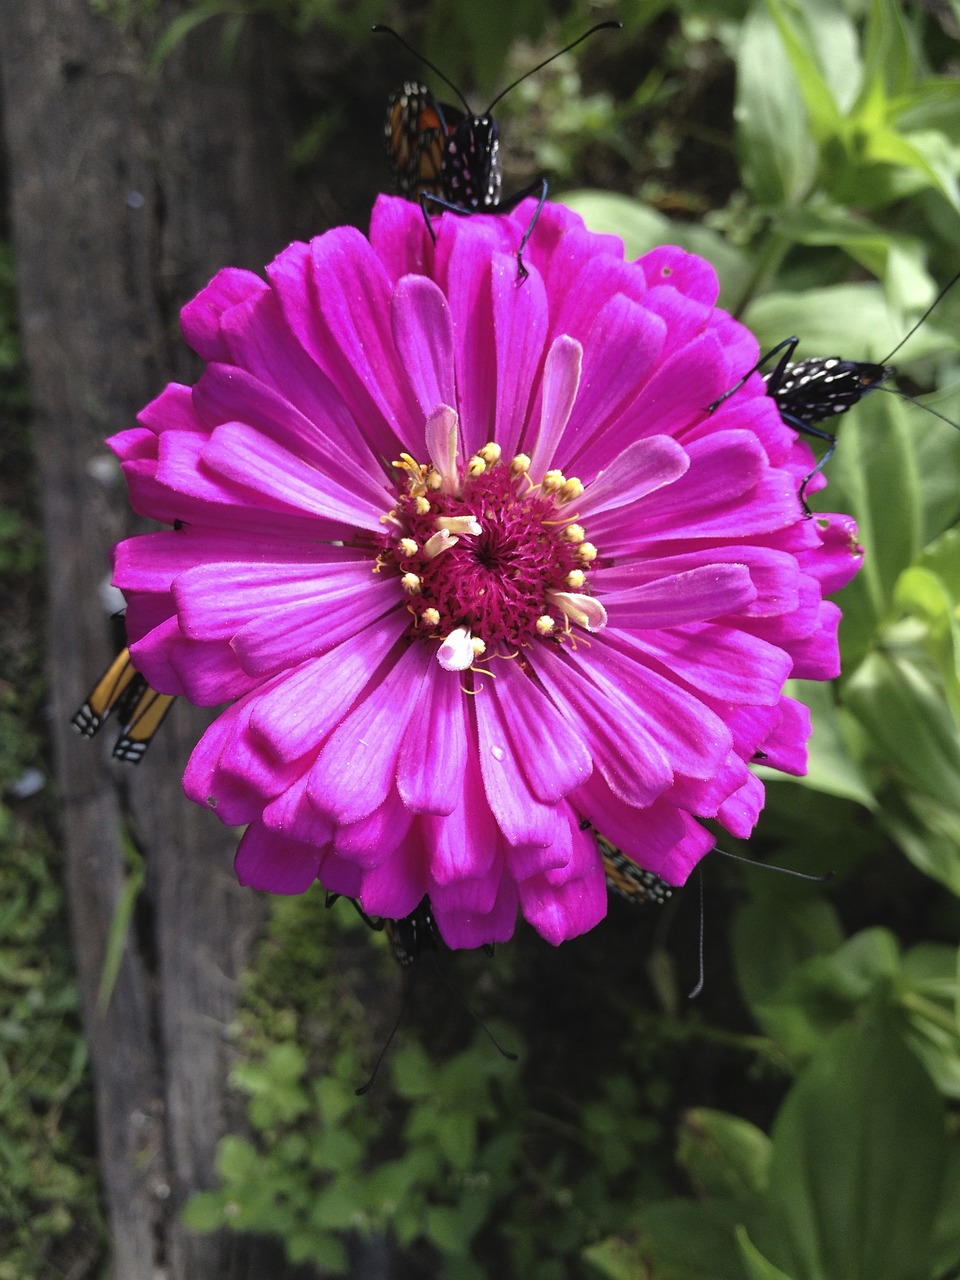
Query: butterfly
{"points": [[448, 159], [628, 880], [818, 388], [124, 692], [412, 935]]}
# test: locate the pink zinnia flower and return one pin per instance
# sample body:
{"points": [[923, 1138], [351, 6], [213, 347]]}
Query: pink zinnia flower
{"points": [[477, 569]]}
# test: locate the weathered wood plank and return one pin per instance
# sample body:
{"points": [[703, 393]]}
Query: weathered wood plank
{"points": [[127, 193]]}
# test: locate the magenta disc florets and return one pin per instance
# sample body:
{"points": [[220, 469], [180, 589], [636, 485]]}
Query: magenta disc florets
{"points": [[490, 556]]}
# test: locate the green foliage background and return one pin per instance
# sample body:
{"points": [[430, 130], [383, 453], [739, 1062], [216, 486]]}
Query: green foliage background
{"points": [[801, 1120]]}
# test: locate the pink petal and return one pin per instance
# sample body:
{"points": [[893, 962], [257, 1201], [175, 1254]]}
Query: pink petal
{"points": [[423, 334], [266, 860]]}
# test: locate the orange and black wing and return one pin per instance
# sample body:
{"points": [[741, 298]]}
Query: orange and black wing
{"points": [[628, 880], [122, 691], [417, 130]]}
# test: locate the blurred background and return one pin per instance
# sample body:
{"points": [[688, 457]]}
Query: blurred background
{"points": [[179, 1057]]}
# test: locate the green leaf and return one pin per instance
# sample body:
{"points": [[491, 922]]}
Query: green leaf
{"points": [[687, 1240], [723, 1154], [237, 1159], [757, 1266], [912, 731], [778, 159], [413, 1073], [443, 1227], [204, 1211], [771, 939], [858, 1153], [946, 1232], [822, 110], [888, 59]]}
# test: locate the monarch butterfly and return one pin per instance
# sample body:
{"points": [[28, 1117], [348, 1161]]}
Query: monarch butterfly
{"points": [[123, 691], [449, 159], [818, 388], [628, 880]]}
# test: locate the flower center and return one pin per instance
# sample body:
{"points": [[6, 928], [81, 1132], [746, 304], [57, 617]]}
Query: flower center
{"points": [[489, 560]]}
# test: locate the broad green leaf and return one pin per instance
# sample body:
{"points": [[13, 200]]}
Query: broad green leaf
{"points": [[772, 936], [615, 1258], [937, 452], [824, 222], [778, 159], [204, 1211], [236, 1159], [924, 153], [913, 732], [443, 1228], [874, 477], [946, 1233], [888, 59], [858, 1153], [932, 610], [687, 1240], [830, 38], [822, 110], [723, 1154], [757, 1266], [928, 832]]}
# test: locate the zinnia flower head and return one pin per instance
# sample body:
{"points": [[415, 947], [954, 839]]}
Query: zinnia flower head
{"points": [[477, 569]]}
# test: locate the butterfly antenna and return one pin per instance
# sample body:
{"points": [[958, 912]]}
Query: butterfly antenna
{"points": [[380, 29], [396, 1027], [895, 391], [772, 866], [692, 995], [511, 1057], [601, 26], [936, 302]]}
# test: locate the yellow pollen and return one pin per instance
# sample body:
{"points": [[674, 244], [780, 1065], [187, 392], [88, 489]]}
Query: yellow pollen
{"points": [[421, 505], [430, 617], [552, 481], [520, 465], [476, 466], [574, 533], [434, 480], [575, 579], [587, 552], [408, 546], [478, 646], [571, 489], [545, 625], [490, 453], [411, 584]]}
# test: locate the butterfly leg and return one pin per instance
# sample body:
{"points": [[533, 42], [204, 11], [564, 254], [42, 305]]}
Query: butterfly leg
{"points": [[806, 429], [788, 346], [506, 206]]}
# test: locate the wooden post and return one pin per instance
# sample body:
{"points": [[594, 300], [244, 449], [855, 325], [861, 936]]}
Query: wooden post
{"points": [[129, 189]]}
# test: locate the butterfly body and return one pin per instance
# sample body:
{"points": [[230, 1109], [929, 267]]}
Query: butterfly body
{"points": [[412, 935], [820, 387]]}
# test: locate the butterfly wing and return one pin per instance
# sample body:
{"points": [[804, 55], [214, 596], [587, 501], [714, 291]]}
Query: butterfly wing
{"points": [[417, 131], [628, 880], [145, 718], [123, 691]]}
